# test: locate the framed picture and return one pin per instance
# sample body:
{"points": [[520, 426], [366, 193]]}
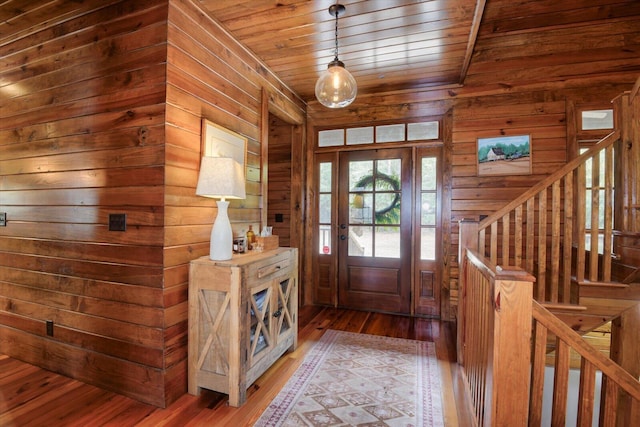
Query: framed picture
{"points": [[221, 142], [504, 155]]}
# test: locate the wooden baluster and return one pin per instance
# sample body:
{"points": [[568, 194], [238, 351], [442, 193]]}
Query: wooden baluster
{"points": [[542, 246], [531, 222], [608, 215], [595, 216], [568, 238], [538, 363], [493, 253], [580, 222], [555, 240], [586, 393], [506, 223], [560, 384], [517, 238]]}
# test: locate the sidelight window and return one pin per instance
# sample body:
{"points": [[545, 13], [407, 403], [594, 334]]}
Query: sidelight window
{"points": [[595, 124], [325, 197]]}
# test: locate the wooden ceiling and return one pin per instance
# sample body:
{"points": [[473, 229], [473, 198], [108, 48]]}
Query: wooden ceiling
{"points": [[407, 45]]}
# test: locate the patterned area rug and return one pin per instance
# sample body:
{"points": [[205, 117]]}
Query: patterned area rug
{"points": [[350, 379]]}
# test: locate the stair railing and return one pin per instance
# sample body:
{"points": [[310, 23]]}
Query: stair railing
{"points": [[553, 230], [494, 332], [620, 391], [503, 361]]}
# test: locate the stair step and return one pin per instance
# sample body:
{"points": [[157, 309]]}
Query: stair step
{"points": [[557, 306], [614, 285], [581, 321], [607, 307]]}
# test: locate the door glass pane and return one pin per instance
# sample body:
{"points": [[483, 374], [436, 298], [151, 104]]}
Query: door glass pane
{"points": [[360, 208], [387, 208], [428, 207], [325, 240], [429, 177], [325, 198], [387, 174], [387, 242], [374, 198], [360, 175], [325, 209], [325, 177], [360, 241], [428, 243]]}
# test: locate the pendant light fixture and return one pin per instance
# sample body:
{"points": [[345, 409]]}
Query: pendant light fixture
{"points": [[336, 87]]}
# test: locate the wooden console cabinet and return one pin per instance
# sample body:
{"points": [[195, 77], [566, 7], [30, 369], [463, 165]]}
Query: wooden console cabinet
{"points": [[243, 315]]}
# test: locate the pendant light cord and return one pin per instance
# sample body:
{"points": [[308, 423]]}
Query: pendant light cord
{"points": [[337, 13]]}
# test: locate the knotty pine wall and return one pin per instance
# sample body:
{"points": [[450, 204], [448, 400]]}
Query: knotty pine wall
{"points": [[101, 106]]}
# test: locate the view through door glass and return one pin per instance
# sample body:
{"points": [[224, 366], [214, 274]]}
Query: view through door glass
{"points": [[374, 207]]}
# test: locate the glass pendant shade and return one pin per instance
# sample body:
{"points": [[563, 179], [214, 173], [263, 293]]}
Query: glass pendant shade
{"points": [[336, 87]]}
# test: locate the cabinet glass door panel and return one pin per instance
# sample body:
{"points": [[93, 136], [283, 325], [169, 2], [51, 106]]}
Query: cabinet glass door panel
{"points": [[260, 317], [284, 313]]}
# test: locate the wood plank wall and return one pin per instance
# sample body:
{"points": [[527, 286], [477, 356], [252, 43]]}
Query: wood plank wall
{"points": [[82, 136], [101, 106], [481, 112], [280, 167]]}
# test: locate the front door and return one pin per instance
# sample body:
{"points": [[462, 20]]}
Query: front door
{"points": [[374, 236]]}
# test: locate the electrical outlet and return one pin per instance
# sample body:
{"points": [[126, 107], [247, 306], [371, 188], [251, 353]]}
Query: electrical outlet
{"points": [[118, 222], [50, 328], [279, 217], [3, 219]]}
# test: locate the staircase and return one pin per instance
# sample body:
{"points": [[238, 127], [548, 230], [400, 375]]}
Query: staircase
{"points": [[585, 275]]}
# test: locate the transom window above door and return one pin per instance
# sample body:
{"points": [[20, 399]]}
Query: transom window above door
{"points": [[400, 132]]}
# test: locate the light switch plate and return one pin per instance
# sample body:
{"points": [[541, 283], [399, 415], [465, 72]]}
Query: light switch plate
{"points": [[118, 222]]}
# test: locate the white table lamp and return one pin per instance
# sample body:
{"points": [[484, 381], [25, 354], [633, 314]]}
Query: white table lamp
{"points": [[221, 177]]}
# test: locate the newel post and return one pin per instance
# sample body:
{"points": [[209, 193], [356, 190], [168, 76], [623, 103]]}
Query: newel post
{"points": [[509, 361], [467, 239]]}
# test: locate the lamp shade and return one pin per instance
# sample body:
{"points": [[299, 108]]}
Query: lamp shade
{"points": [[336, 87], [221, 177]]}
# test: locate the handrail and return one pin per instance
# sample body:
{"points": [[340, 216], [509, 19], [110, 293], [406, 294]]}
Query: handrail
{"points": [[546, 182], [617, 384], [549, 230], [601, 362]]}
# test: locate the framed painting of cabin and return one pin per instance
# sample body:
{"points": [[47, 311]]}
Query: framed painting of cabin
{"points": [[218, 141], [504, 155]]}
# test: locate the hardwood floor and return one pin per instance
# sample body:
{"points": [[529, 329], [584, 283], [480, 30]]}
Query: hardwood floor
{"points": [[30, 396]]}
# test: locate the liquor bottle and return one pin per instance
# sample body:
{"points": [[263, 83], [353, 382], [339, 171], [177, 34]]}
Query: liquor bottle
{"points": [[251, 238]]}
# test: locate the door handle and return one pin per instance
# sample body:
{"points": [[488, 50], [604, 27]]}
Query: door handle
{"points": [[343, 237]]}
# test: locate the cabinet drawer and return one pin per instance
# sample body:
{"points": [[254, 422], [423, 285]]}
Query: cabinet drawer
{"points": [[277, 266]]}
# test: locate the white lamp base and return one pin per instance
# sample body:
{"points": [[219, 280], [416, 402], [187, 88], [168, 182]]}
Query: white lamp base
{"points": [[221, 245]]}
